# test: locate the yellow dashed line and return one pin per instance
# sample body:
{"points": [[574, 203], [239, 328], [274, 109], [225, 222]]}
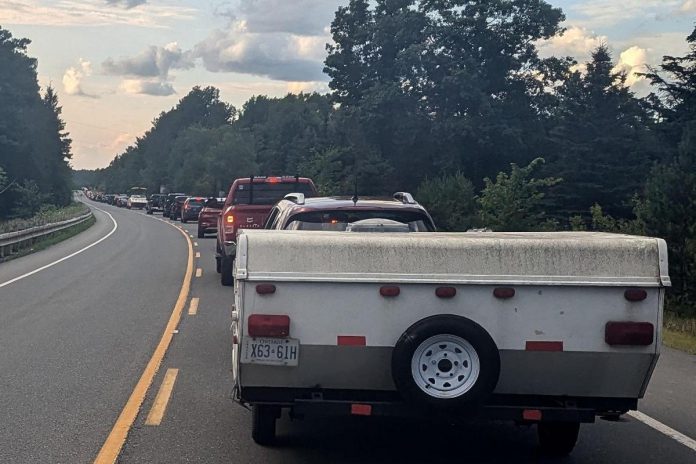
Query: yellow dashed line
{"points": [[117, 437], [162, 399], [193, 308]]}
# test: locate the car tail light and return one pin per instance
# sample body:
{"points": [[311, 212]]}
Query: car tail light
{"points": [[273, 180], [265, 289], [389, 291], [228, 223], [504, 292], [269, 325], [629, 333], [635, 294], [445, 292]]}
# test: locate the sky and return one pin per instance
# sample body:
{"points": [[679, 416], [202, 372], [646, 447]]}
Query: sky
{"points": [[117, 64]]}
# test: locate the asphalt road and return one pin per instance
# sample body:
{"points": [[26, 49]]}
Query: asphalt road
{"points": [[76, 337]]}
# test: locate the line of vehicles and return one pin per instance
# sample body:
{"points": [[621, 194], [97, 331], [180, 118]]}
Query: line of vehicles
{"points": [[358, 306]]}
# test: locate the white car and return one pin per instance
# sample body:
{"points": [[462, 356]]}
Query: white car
{"points": [[137, 201]]}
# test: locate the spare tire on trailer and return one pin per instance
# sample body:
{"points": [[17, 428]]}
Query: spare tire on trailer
{"points": [[445, 361]]}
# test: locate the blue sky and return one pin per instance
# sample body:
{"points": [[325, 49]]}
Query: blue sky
{"points": [[118, 63]]}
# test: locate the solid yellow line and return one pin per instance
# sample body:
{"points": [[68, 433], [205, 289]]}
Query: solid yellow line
{"points": [[162, 399], [199, 272], [198, 254], [117, 437], [193, 308]]}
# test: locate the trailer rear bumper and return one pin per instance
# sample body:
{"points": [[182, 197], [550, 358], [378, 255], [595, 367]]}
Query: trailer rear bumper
{"points": [[518, 408]]}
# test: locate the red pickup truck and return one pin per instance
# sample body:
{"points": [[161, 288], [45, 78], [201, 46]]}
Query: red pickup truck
{"points": [[247, 206]]}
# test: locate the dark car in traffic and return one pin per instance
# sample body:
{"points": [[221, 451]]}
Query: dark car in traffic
{"points": [[167, 202], [154, 203], [176, 207], [208, 217], [191, 209], [398, 214]]}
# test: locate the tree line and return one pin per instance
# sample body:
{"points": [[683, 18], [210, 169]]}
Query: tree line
{"points": [[451, 100], [34, 146]]}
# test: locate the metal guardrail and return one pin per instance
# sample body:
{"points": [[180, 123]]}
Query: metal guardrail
{"points": [[10, 242]]}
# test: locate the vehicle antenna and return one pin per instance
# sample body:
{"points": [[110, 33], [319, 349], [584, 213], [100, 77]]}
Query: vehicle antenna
{"points": [[355, 192]]}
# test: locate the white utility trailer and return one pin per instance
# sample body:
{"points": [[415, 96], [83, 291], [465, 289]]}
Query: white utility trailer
{"points": [[546, 328]]}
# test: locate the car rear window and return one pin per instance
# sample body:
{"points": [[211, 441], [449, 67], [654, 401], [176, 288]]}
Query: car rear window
{"points": [[196, 201], [268, 193], [339, 220]]}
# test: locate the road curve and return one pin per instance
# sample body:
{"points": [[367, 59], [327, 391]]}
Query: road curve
{"points": [[76, 336]]}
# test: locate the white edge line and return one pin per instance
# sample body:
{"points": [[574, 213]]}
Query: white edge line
{"points": [[23, 276], [664, 429]]}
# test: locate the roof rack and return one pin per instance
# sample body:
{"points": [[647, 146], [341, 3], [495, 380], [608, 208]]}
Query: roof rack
{"points": [[297, 198], [405, 198]]}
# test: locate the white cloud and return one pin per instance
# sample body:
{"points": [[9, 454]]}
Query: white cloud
{"points": [[73, 77], [577, 42], [632, 61], [279, 56], [89, 13], [147, 87], [154, 61]]}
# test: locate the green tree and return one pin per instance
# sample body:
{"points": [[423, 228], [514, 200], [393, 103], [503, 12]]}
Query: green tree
{"points": [[602, 143], [513, 202], [34, 147], [669, 211], [451, 201]]}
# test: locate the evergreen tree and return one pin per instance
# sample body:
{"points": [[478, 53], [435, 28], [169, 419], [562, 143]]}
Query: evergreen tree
{"points": [[601, 142]]}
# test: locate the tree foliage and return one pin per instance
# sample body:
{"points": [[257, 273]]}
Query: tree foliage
{"points": [[34, 147], [513, 202], [451, 201]]}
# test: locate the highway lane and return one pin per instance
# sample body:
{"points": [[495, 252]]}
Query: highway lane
{"points": [[76, 336], [203, 425]]}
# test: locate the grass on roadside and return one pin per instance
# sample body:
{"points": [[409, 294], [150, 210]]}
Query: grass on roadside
{"points": [[679, 332], [47, 215], [56, 238]]}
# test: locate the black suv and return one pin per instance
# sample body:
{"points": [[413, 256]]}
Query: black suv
{"points": [[167, 203], [154, 203]]}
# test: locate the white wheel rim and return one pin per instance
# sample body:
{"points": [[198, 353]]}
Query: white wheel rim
{"points": [[445, 366]]}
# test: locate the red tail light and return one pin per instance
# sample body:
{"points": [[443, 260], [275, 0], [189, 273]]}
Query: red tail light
{"points": [[504, 292], [635, 294], [445, 292], [269, 325], [389, 291], [265, 289], [629, 333]]}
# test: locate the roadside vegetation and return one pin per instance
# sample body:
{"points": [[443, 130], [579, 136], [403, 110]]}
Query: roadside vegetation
{"points": [[52, 239], [46, 215]]}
